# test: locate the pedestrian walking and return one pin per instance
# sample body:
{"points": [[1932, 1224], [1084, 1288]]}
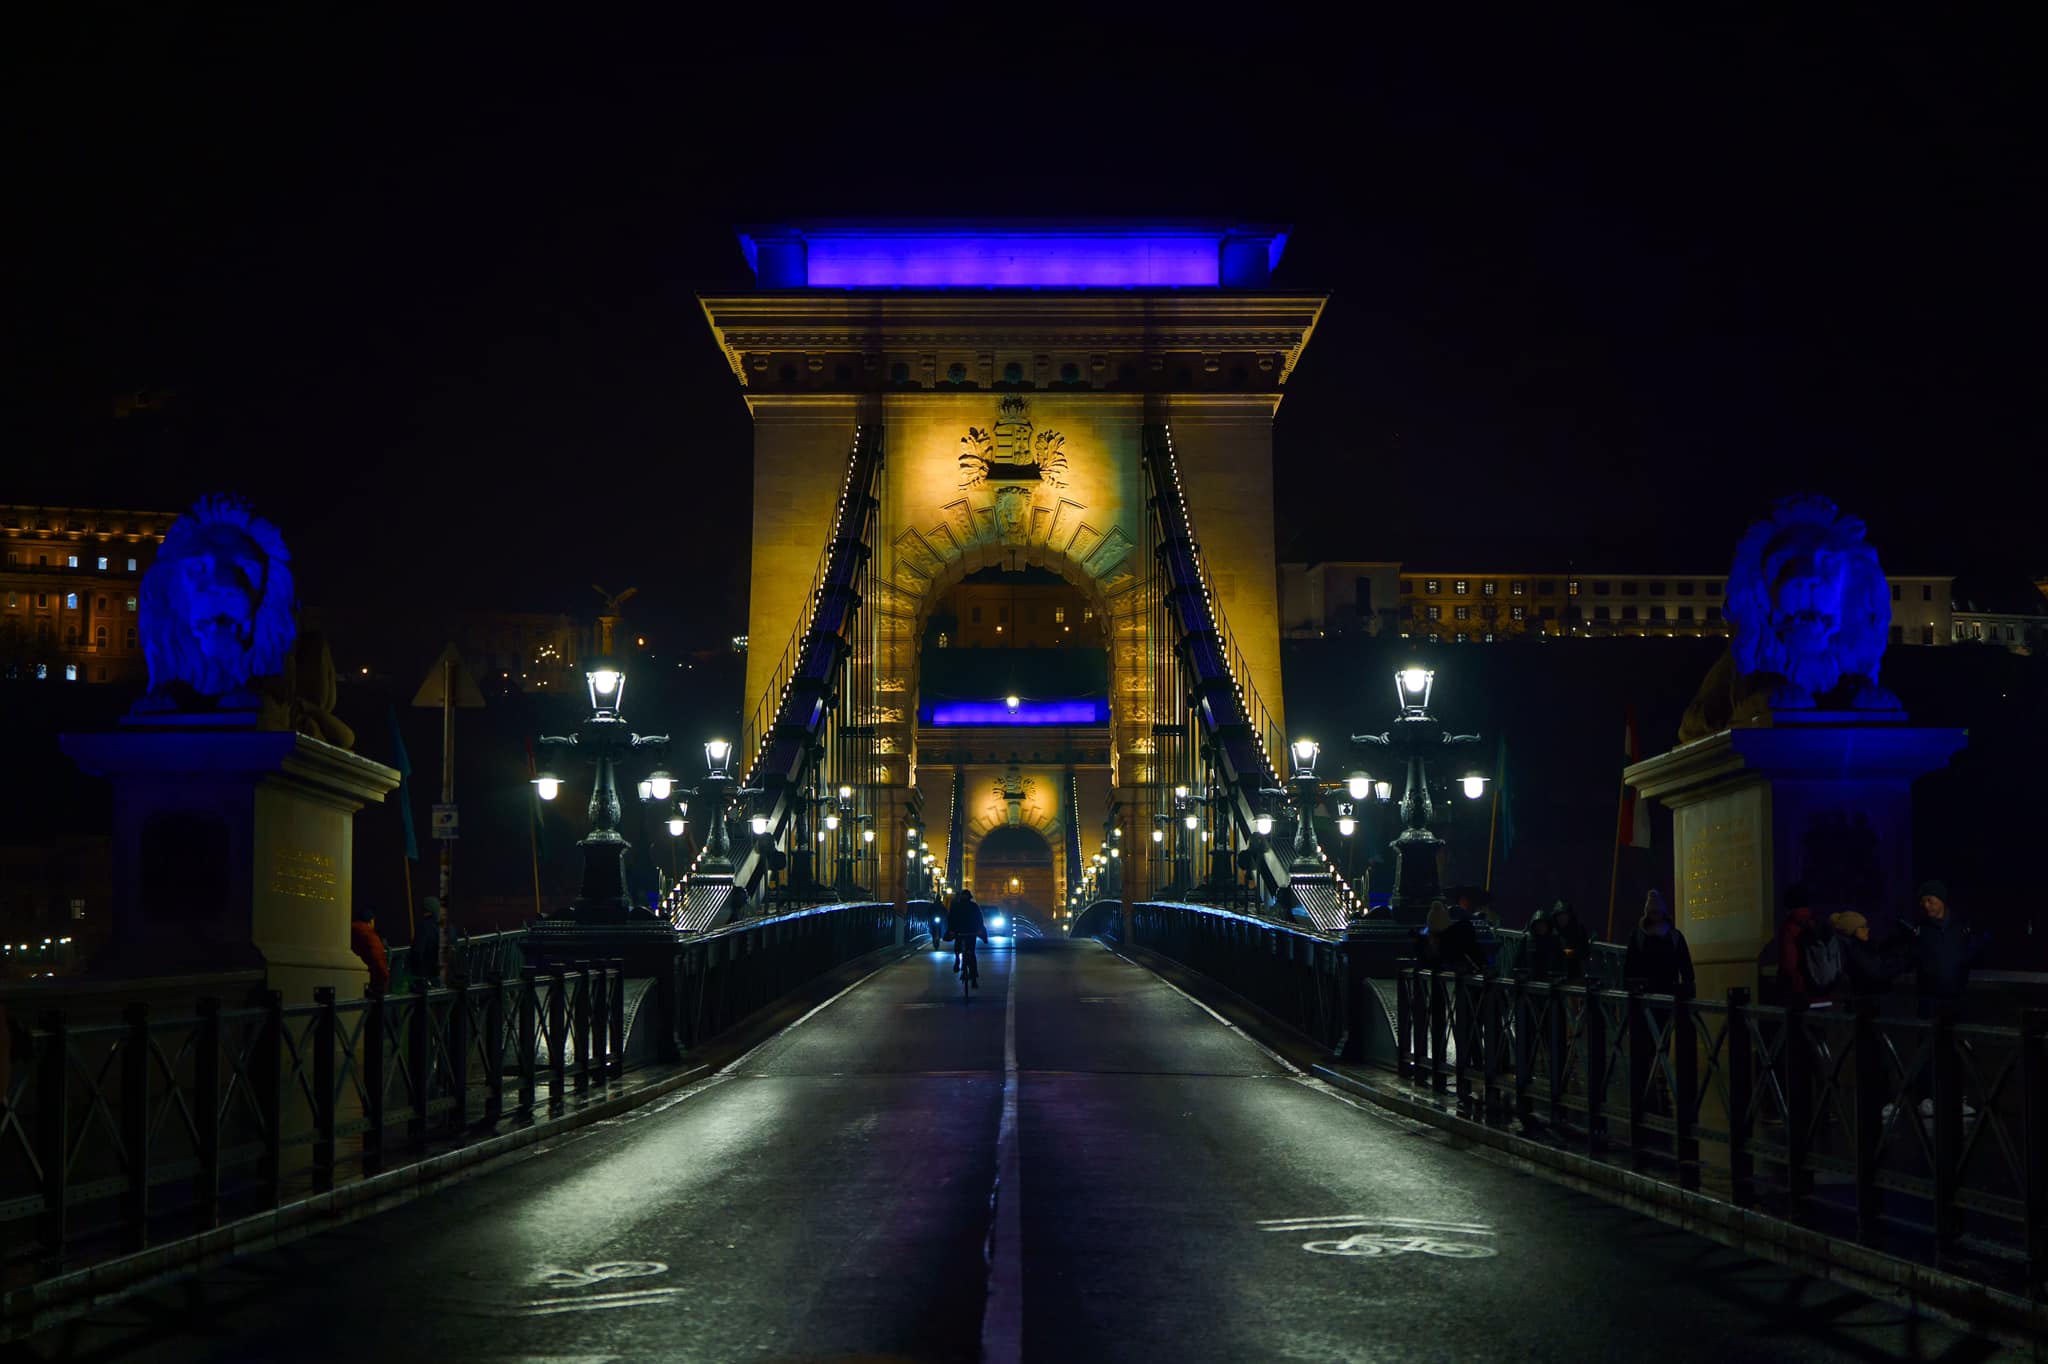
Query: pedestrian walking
{"points": [[1657, 952], [424, 960], [1940, 950], [1544, 955], [1573, 941]]}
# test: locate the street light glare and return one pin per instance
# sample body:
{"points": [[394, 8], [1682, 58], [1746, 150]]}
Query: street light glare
{"points": [[549, 787], [1475, 787], [675, 826], [661, 785], [605, 680], [1413, 679], [1359, 787]]}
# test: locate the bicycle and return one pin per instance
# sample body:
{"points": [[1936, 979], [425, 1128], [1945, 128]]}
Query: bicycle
{"points": [[970, 970]]}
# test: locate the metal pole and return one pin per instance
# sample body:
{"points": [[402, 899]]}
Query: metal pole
{"points": [[447, 798]]}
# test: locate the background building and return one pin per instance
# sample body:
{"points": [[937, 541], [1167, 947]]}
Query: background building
{"points": [[1464, 606], [68, 586]]}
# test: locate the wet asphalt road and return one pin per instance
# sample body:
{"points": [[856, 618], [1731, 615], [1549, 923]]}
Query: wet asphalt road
{"points": [[1174, 1193]]}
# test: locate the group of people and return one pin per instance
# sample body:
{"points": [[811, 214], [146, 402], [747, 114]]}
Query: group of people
{"points": [[424, 958], [1822, 958]]}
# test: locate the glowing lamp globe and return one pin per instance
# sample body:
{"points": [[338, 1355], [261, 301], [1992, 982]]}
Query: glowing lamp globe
{"points": [[661, 783], [1347, 826], [1191, 821], [759, 824], [646, 789], [1359, 787], [831, 821], [547, 787], [607, 686], [1413, 686], [1262, 824], [1383, 790], [1305, 751], [1012, 701], [1180, 793], [1116, 852], [867, 835], [910, 853], [1116, 833], [1475, 786], [675, 826], [910, 834], [846, 793], [717, 754], [1159, 835]]}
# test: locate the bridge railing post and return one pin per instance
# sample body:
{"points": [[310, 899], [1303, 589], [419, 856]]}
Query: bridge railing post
{"points": [[1525, 1050], [1439, 1033], [135, 1125], [458, 1055], [494, 1047], [1868, 1120], [374, 1082], [591, 1032], [1462, 1038], [1495, 1019], [1404, 1019], [206, 1096], [1741, 1097], [1685, 1117], [1948, 1134], [326, 1032], [1795, 1052], [558, 1038], [266, 1066], [1639, 1069], [2034, 1131], [618, 1020], [529, 1039], [1556, 1039], [1593, 1051], [419, 1063], [53, 1092]]}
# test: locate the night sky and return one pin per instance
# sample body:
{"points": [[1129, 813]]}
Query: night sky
{"points": [[428, 296]]}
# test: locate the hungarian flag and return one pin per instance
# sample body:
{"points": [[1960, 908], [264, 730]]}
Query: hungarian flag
{"points": [[1635, 819]]}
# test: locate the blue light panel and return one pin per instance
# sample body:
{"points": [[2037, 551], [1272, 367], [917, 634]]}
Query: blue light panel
{"points": [[956, 713], [1013, 261]]}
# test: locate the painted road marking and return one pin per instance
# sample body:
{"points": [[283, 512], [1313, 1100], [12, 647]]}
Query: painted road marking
{"points": [[554, 1276], [1388, 1236], [1002, 1319]]}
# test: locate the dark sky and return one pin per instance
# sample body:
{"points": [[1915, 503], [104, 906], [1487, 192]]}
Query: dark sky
{"points": [[1599, 293]]}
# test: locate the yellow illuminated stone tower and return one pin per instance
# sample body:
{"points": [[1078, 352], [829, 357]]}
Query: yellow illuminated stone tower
{"points": [[1013, 369]]}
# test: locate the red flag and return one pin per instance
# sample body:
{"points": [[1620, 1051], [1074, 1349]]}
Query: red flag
{"points": [[1635, 820]]}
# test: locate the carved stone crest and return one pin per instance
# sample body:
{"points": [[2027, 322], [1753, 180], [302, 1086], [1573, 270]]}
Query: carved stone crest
{"points": [[1014, 451]]}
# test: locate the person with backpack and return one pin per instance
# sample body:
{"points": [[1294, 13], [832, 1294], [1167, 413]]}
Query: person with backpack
{"points": [[1809, 952]]}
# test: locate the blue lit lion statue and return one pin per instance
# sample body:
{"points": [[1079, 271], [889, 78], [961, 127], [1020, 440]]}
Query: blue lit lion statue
{"points": [[218, 630], [1809, 614]]}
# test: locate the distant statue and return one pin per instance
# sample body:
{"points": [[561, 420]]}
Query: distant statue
{"points": [[216, 607], [1810, 614], [608, 619], [217, 627]]}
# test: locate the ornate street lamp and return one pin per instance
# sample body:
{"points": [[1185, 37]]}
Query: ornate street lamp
{"points": [[1416, 736], [604, 736], [1308, 854]]}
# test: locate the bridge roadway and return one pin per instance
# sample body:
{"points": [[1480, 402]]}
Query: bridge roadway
{"points": [[1172, 1192]]}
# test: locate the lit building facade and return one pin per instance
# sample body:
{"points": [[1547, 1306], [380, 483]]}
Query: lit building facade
{"points": [[1465, 607], [69, 584]]}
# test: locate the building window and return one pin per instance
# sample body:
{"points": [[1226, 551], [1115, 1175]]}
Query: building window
{"points": [[1898, 635], [131, 565], [42, 672], [1714, 589], [1432, 585], [1926, 592], [131, 603], [1407, 587], [1628, 613], [1628, 589], [1437, 612], [1685, 589], [974, 613], [1059, 615], [99, 638], [1515, 587], [70, 601], [1463, 587], [1550, 612], [1927, 634], [1685, 613], [1656, 589], [1549, 585], [1895, 591], [129, 636], [1599, 613], [70, 672], [1515, 611], [1600, 587], [944, 641], [1003, 615], [1656, 613], [1361, 595], [99, 603], [1463, 612], [1459, 638], [1486, 588], [71, 561], [42, 599], [103, 563], [1435, 638]]}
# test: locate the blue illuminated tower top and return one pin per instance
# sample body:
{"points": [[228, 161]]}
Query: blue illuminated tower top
{"points": [[1013, 254]]}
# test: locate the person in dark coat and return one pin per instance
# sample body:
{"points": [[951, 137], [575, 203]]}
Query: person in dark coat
{"points": [[1800, 927], [1449, 943], [1657, 954], [1543, 955], [964, 923], [1941, 950], [1572, 939]]}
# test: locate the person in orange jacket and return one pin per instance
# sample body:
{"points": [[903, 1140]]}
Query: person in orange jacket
{"points": [[363, 940]]}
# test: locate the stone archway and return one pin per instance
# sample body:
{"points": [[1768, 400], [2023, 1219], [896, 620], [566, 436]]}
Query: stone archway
{"points": [[1015, 872]]}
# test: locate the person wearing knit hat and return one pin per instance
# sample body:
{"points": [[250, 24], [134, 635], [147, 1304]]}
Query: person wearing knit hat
{"points": [[1863, 961], [1657, 954], [1936, 891], [1941, 949]]}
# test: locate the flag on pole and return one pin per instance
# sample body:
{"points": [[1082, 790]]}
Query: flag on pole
{"points": [[1635, 819], [1504, 794], [404, 766]]}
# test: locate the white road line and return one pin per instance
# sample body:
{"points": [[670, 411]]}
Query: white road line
{"points": [[1002, 1320]]}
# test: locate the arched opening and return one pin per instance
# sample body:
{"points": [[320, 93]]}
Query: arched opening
{"points": [[1027, 636], [1013, 873]]}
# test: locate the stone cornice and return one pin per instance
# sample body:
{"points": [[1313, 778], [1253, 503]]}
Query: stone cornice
{"points": [[1108, 323]]}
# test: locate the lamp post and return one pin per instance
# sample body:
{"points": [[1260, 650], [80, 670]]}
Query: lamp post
{"points": [[1415, 736], [1308, 854], [604, 736]]}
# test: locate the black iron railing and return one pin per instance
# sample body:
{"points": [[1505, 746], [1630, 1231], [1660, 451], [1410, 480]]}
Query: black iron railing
{"points": [[116, 1134], [724, 975], [1901, 1129], [1296, 976]]}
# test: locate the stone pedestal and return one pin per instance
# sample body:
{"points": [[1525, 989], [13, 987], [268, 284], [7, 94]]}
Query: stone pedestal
{"points": [[1823, 800], [233, 849]]}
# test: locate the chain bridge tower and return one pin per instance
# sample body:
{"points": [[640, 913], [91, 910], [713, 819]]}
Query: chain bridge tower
{"points": [[1024, 474]]}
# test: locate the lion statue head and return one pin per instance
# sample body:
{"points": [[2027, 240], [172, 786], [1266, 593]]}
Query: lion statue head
{"points": [[1807, 602], [216, 605]]}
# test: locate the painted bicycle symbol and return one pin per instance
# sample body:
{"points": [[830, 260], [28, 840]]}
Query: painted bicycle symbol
{"points": [[554, 1276], [1373, 1237], [1367, 1244]]}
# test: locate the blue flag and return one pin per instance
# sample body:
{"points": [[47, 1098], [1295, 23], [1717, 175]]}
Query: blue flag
{"points": [[404, 766]]}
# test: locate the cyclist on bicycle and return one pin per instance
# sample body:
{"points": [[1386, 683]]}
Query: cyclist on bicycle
{"points": [[963, 925]]}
